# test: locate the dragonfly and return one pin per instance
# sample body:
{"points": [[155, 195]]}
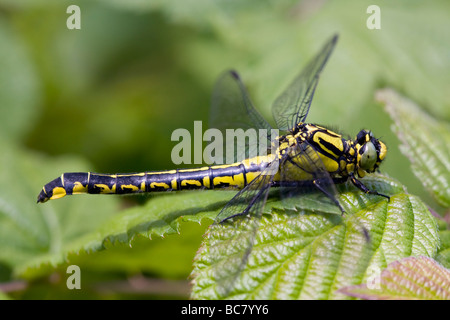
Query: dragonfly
{"points": [[302, 155]]}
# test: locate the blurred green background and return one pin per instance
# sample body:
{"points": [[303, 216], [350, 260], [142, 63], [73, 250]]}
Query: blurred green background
{"points": [[107, 97]]}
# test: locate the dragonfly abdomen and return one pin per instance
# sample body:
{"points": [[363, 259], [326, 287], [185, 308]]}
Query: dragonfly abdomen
{"points": [[236, 175]]}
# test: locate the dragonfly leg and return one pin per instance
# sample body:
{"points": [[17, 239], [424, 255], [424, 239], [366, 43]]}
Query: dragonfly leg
{"points": [[318, 185], [234, 216], [363, 188], [261, 193]]}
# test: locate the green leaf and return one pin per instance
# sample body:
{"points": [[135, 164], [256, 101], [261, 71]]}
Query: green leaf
{"points": [[410, 278], [424, 140], [160, 216], [168, 257], [311, 252], [443, 255], [31, 234]]}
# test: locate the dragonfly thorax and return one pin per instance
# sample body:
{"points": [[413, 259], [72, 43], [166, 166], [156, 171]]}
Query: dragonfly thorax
{"points": [[340, 157], [310, 147]]}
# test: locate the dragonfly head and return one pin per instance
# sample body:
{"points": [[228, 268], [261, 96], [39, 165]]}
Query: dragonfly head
{"points": [[370, 152]]}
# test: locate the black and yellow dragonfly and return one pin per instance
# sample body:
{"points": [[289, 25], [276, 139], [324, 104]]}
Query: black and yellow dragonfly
{"points": [[306, 155]]}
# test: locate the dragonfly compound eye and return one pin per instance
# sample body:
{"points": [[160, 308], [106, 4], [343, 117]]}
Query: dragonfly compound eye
{"points": [[368, 157]]}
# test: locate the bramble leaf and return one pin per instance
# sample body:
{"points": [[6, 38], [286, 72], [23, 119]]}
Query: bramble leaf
{"points": [[312, 252], [410, 278], [424, 140], [31, 234]]}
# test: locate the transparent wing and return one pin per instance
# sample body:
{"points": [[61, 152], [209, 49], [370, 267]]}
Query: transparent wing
{"points": [[303, 169], [231, 237], [304, 158], [292, 106], [231, 108]]}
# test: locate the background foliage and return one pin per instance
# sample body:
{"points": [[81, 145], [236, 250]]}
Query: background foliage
{"points": [[106, 98]]}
